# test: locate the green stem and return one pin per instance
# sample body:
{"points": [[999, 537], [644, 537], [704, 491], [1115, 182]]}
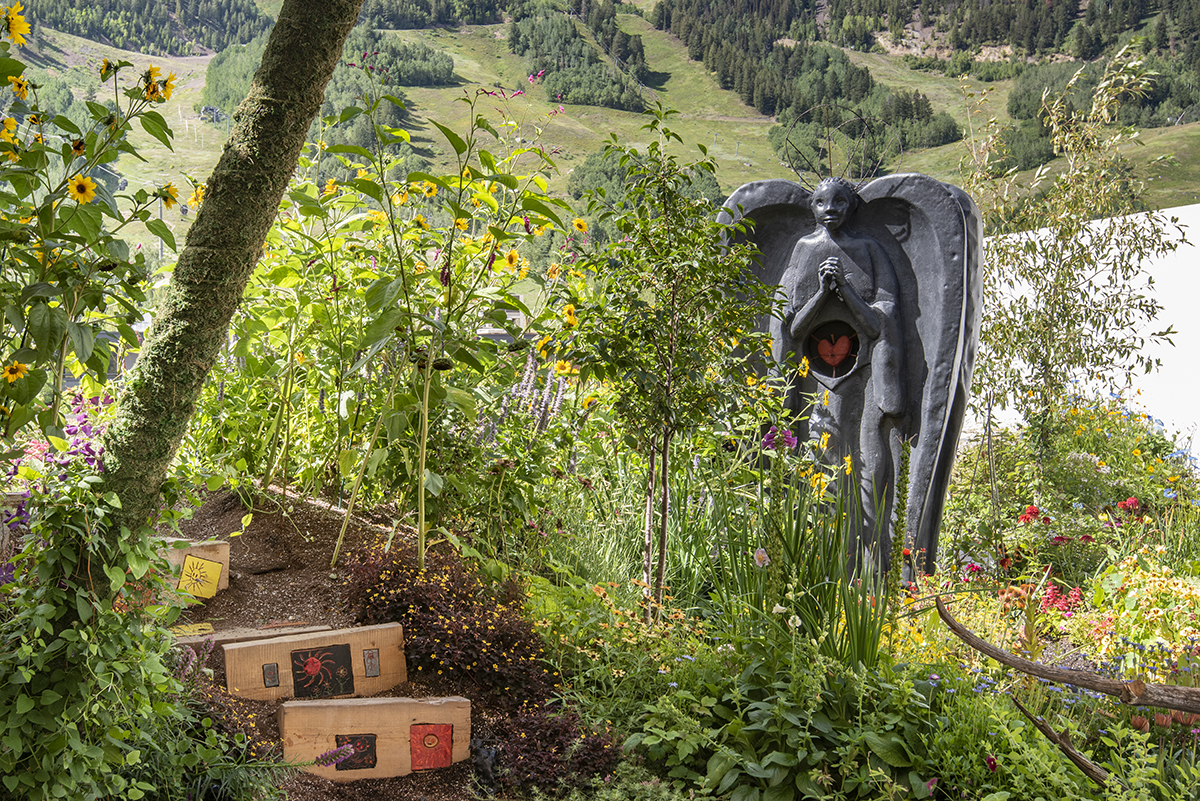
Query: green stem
{"points": [[387, 406], [428, 377]]}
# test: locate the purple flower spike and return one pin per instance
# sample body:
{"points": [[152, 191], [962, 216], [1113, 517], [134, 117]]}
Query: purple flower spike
{"points": [[768, 443], [789, 439]]}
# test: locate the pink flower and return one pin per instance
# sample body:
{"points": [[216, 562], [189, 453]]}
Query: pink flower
{"points": [[761, 558], [990, 761], [1086, 538]]}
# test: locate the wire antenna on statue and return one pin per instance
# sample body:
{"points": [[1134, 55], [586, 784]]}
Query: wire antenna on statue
{"points": [[846, 144]]}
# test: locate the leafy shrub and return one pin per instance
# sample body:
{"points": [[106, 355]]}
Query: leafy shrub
{"points": [[550, 751], [454, 626], [792, 722]]}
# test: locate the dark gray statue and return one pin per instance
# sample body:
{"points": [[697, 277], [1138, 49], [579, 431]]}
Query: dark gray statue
{"points": [[877, 317]]}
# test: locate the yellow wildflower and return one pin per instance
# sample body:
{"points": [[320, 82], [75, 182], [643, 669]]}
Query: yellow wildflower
{"points": [[579, 225], [82, 189], [14, 371], [460, 223], [168, 86], [569, 315], [849, 466], [15, 25], [20, 86], [553, 270], [169, 195], [197, 197]]}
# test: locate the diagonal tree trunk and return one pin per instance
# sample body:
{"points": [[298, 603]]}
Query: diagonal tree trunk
{"points": [[223, 246]]}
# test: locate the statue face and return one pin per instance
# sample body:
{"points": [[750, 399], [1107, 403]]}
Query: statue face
{"points": [[832, 205]]}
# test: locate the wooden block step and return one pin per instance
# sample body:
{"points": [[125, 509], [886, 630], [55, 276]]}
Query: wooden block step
{"points": [[245, 634], [201, 568], [321, 664], [392, 736]]}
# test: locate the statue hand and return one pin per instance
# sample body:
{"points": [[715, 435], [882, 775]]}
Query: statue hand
{"points": [[831, 275]]}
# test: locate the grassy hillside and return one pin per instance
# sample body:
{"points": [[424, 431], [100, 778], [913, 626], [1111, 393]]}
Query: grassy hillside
{"points": [[733, 132]]}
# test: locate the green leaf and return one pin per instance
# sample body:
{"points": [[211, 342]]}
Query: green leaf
{"points": [[355, 149], [47, 325], [83, 340], [890, 748], [214, 483], [531, 203], [10, 68], [154, 124], [160, 229], [116, 577], [87, 219], [23, 391], [433, 483], [462, 400], [454, 139], [347, 460], [24, 704], [781, 793], [138, 564]]}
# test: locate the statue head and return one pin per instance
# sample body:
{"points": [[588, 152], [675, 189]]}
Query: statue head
{"points": [[834, 201]]}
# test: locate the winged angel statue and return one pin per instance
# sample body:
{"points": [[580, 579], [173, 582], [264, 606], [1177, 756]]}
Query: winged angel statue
{"points": [[875, 328]]}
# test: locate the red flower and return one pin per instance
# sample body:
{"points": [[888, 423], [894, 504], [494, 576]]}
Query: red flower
{"points": [[1031, 514], [1061, 538], [1086, 538], [1046, 520]]}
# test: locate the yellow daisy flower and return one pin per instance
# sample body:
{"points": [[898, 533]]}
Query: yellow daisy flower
{"points": [[512, 259], [82, 189], [553, 271], [20, 86], [78, 147], [197, 197], [169, 195], [579, 225], [569, 315], [14, 371], [15, 25], [168, 86], [460, 223]]}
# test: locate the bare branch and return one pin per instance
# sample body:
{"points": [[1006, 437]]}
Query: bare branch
{"points": [[1132, 693]]}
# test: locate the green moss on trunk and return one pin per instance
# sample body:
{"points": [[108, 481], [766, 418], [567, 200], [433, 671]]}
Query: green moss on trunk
{"points": [[223, 246]]}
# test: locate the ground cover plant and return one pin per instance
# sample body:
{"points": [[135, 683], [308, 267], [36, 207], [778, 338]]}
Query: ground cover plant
{"points": [[515, 477]]}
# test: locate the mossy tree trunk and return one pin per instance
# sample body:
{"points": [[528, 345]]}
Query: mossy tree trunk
{"points": [[223, 246]]}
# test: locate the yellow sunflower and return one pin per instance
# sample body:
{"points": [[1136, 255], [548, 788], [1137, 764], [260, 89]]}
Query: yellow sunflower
{"points": [[197, 197], [82, 189], [579, 225], [569, 315], [20, 86], [106, 69], [15, 24], [553, 270], [169, 195], [460, 223], [78, 147], [512, 259], [14, 371], [168, 86]]}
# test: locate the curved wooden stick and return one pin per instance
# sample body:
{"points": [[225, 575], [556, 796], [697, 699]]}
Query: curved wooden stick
{"points": [[1133, 693]]}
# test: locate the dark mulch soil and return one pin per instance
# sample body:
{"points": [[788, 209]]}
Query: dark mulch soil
{"points": [[280, 574]]}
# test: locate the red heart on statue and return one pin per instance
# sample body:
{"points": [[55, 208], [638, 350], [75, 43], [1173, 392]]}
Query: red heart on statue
{"points": [[834, 353]]}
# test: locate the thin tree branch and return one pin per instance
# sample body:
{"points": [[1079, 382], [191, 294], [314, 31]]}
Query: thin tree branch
{"points": [[1131, 693]]}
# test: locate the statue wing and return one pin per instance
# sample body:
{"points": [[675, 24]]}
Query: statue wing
{"points": [[933, 233], [780, 213]]}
